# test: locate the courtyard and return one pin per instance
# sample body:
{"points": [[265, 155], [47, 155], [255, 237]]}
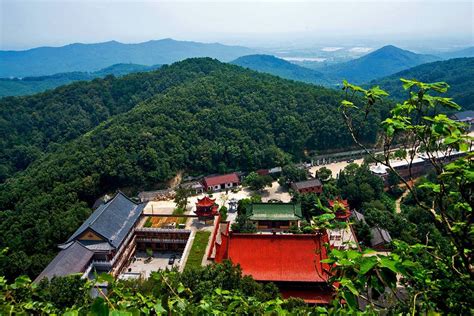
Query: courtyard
{"points": [[142, 265]]}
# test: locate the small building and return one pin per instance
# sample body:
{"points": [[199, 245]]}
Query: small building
{"points": [[221, 182], [292, 262], [195, 187], [380, 238], [341, 209], [343, 238], [308, 186], [275, 216], [466, 117], [206, 207]]}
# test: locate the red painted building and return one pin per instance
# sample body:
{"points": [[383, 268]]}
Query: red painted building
{"points": [[206, 207], [292, 262], [308, 186], [221, 182]]}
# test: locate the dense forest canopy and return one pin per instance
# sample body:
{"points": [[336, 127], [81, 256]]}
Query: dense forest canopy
{"points": [[458, 73], [198, 115], [29, 125]]}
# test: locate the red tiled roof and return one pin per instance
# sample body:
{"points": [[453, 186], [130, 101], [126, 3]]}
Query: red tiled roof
{"points": [[206, 202], [311, 296], [221, 179], [284, 258]]}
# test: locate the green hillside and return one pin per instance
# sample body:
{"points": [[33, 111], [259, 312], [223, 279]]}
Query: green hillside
{"points": [[380, 63], [282, 68], [458, 73], [199, 115], [32, 85], [30, 125]]}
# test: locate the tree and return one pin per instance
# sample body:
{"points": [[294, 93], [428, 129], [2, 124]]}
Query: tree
{"points": [[324, 174], [243, 225], [420, 126], [257, 182], [363, 233], [291, 173], [181, 197], [309, 204], [223, 212], [392, 179]]}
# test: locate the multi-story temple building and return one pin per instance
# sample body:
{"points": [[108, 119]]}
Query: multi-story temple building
{"points": [[275, 216], [108, 239], [206, 207]]}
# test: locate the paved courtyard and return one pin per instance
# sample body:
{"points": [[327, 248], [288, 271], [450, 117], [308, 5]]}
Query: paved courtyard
{"points": [[142, 268], [335, 167]]}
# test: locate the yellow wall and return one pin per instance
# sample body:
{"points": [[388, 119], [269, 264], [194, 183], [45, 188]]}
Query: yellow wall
{"points": [[90, 235]]}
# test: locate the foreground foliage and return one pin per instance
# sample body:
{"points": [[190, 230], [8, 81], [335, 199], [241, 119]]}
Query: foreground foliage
{"points": [[216, 289], [440, 216]]}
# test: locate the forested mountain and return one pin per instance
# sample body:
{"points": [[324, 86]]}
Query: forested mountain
{"points": [[199, 115], [458, 73], [282, 68], [31, 124], [92, 57], [380, 63], [31, 85]]}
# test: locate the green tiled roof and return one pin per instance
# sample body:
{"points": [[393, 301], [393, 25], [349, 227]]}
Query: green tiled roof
{"points": [[275, 212]]}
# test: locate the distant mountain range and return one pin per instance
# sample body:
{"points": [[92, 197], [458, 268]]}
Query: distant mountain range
{"points": [[282, 68], [31, 85], [458, 73], [466, 52], [380, 63], [92, 57], [377, 64]]}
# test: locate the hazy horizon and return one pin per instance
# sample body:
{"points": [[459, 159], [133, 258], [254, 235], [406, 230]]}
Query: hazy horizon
{"points": [[419, 25]]}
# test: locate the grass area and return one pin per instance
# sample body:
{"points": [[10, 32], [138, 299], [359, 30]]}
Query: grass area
{"points": [[180, 211], [197, 250], [148, 222]]}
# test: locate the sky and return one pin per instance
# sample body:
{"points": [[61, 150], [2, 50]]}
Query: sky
{"points": [[278, 23]]}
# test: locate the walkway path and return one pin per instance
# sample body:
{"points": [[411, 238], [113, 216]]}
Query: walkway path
{"points": [[398, 202]]}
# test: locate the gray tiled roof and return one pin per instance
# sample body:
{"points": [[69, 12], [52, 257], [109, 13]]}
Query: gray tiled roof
{"points": [[112, 220], [464, 116], [358, 216], [379, 236], [307, 184], [73, 259]]}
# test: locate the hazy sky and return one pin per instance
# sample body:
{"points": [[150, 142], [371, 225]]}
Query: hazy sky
{"points": [[31, 23]]}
